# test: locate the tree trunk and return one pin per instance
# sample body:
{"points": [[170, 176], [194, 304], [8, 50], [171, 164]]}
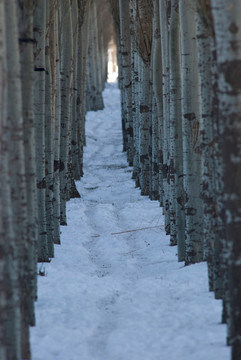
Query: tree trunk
{"points": [[9, 288], [49, 131], [163, 8], [39, 118], [17, 171], [27, 66], [191, 134], [66, 85], [125, 49], [227, 25], [176, 124]]}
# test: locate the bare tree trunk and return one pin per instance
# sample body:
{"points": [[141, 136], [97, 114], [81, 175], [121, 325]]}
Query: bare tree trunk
{"points": [[125, 48], [57, 131], [27, 66], [157, 87], [191, 134], [66, 85], [9, 289], [49, 131], [163, 7], [227, 24], [176, 124], [17, 170], [39, 118]]}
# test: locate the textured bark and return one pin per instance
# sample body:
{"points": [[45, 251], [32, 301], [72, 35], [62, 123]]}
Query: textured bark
{"points": [[25, 12], [125, 51], [39, 119], [17, 170], [157, 87], [143, 40], [57, 113], [156, 100], [176, 124], [49, 130], [191, 134], [228, 32], [144, 127], [134, 94], [66, 85], [75, 151], [9, 289], [163, 8], [95, 99]]}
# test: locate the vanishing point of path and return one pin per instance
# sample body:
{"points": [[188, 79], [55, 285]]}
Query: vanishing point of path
{"points": [[115, 294]]}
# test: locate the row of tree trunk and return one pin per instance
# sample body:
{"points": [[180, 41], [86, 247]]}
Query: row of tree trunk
{"points": [[51, 51], [180, 81]]}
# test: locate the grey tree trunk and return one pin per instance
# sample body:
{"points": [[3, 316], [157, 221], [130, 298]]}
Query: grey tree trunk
{"points": [[125, 49], [157, 103], [82, 69], [134, 94], [207, 67], [57, 112], [191, 134], [163, 8], [39, 119], [144, 127], [227, 25], [49, 131], [27, 65], [9, 289], [17, 171], [176, 125], [157, 87], [66, 85]]}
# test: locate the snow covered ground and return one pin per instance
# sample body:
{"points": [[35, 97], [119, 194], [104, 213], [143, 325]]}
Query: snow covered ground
{"points": [[122, 296]]}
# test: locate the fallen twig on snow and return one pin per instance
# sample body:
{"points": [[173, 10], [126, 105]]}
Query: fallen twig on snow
{"points": [[144, 228]]}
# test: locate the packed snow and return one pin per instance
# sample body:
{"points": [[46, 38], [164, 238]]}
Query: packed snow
{"points": [[115, 291]]}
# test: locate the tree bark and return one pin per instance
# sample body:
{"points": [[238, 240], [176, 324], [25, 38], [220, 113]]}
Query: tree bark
{"points": [[227, 24], [191, 134], [39, 118]]}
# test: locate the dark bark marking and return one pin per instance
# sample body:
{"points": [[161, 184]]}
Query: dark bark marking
{"points": [[232, 74], [27, 40], [165, 170], [156, 168], [233, 28], [143, 158], [190, 211], [144, 109], [58, 165], [190, 116], [41, 184]]}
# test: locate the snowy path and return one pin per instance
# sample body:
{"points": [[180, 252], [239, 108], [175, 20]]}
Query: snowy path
{"points": [[125, 296]]}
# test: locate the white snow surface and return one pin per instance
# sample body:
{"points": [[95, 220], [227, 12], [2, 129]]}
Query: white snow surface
{"points": [[123, 296]]}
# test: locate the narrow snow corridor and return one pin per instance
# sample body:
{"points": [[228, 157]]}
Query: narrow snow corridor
{"points": [[108, 296]]}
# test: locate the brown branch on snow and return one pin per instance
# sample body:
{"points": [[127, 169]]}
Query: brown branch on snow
{"points": [[144, 228]]}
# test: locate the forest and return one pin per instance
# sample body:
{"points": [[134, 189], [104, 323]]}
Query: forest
{"points": [[180, 79]]}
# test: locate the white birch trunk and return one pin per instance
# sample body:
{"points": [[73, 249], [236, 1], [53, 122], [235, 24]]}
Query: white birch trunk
{"points": [[17, 170], [27, 65], [9, 289], [57, 111], [227, 24], [39, 118], [49, 145], [191, 134], [165, 96], [176, 124], [66, 85], [125, 48]]}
